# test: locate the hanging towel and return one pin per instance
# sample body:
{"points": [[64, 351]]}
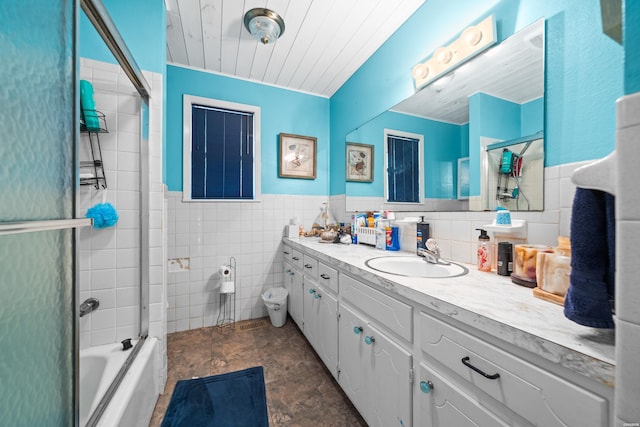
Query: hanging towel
{"points": [[592, 288], [88, 106]]}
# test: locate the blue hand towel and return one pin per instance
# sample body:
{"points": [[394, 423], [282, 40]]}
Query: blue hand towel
{"points": [[592, 281]]}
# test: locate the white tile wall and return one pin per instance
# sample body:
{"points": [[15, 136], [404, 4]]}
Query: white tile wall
{"points": [[209, 233], [110, 258]]}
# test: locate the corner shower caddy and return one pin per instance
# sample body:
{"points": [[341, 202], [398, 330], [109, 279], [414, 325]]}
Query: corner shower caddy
{"points": [[92, 171], [227, 307]]}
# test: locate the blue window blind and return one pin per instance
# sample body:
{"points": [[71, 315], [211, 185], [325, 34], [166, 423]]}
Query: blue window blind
{"points": [[403, 169], [221, 153]]}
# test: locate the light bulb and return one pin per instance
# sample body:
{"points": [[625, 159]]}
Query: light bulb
{"points": [[443, 55], [420, 71], [472, 36]]}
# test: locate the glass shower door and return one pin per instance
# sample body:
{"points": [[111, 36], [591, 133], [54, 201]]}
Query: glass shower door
{"points": [[37, 164]]}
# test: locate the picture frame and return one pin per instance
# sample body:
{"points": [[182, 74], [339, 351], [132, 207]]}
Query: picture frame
{"points": [[359, 158], [298, 156]]}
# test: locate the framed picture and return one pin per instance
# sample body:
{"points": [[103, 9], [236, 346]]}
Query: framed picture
{"points": [[359, 162], [297, 156]]}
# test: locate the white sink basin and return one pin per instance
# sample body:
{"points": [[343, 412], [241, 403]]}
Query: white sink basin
{"points": [[414, 266]]}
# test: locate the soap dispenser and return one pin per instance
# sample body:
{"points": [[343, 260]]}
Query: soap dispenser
{"points": [[484, 251]]}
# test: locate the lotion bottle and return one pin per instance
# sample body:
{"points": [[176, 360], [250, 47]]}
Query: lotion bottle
{"points": [[484, 251]]}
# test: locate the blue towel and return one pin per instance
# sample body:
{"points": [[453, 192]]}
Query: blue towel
{"points": [[592, 281], [88, 106]]}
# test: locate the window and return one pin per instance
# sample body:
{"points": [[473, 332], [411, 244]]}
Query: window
{"points": [[403, 159], [221, 150]]}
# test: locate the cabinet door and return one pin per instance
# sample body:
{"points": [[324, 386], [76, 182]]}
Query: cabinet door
{"points": [[296, 298], [351, 349], [389, 382], [327, 329], [310, 308], [288, 279], [443, 404]]}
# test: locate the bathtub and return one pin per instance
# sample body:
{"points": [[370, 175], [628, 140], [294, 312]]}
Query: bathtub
{"points": [[134, 400]]}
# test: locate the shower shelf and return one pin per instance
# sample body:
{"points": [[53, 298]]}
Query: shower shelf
{"points": [[92, 171]]}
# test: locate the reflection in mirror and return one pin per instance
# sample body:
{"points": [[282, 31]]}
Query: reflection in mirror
{"points": [[512, 174], [497, 96]]}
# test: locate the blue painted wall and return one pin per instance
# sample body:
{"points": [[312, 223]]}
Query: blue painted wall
{"points": [[443, 146], [631, 40], [532, 117], [282, 110], [584, 73], [142, 25]]}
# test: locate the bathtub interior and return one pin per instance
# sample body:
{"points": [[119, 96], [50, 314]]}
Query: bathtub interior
{"points": [[98, 368], [135, 400]]}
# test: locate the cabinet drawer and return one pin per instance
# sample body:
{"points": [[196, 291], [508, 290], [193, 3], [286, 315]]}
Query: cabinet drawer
{"points": [[540, 397], [297, 259], [286, 253], [328, 277], [310, 266], [448, 405], [388, 311]]}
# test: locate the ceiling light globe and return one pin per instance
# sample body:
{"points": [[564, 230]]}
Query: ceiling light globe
{"points": [[264, 25]]}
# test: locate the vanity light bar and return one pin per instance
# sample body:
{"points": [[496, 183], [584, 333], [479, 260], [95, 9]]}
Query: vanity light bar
{"points": [[471, 42]]}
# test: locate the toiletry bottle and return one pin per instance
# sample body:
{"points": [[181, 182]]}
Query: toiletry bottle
{"points": [[422, 234], [505, 259], [484, 251]]}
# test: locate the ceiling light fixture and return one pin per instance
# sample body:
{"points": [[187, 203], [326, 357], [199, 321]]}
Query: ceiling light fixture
{"points": [[264, 25]]}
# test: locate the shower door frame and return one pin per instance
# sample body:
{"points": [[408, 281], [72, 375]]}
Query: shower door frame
{"points": [[99, 17]]}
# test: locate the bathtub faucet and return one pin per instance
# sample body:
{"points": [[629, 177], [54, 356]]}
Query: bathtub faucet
{"points": [[88, 306]]}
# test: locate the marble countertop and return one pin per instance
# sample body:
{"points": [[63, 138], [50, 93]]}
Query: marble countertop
{"points": [[488, 302]]}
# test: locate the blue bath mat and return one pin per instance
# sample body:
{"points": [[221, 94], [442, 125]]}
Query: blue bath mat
{"points": [[234, 399]]}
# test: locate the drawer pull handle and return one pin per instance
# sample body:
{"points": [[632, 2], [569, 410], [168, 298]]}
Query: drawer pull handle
{"points": [[357, 330], [308, 266], [286, 252], [325, 276], [465, 361], [311, 291], [426, 386], [369, 340], [295, 258], [317, 296]]}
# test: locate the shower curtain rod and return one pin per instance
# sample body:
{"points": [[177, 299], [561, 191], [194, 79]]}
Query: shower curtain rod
{"points": [[97, 14]]}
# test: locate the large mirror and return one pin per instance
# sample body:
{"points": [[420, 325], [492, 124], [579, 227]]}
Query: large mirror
{"points": [[490, 105]]}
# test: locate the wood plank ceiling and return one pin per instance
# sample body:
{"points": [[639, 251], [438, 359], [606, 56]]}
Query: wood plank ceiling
{"points": [[324, 42]]}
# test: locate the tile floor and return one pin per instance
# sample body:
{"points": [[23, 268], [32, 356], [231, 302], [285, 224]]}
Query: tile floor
{"points": [[300, 390]]}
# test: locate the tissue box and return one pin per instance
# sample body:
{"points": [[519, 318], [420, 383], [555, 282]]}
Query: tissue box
{"points": [[292, 231]]}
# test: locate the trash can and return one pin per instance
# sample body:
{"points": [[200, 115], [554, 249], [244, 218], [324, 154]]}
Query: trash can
{"points": [[276, 301]]}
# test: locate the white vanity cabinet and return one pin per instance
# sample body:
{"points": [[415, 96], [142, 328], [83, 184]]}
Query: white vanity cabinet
{"points": [[375, 371], [406, 362], [520, 392]]}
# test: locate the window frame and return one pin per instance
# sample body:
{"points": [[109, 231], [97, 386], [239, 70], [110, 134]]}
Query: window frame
{"points": [[187, 103], [420, 138]]}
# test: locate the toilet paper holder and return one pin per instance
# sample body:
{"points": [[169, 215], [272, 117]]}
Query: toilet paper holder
{"points": [[227, 299]]}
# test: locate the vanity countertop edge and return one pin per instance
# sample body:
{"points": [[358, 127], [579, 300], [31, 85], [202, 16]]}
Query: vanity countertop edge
{"points": [[487, 302]]}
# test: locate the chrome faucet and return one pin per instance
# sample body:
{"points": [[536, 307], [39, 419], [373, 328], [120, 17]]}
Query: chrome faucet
{"points": [[88, 306], [432, 253]]}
